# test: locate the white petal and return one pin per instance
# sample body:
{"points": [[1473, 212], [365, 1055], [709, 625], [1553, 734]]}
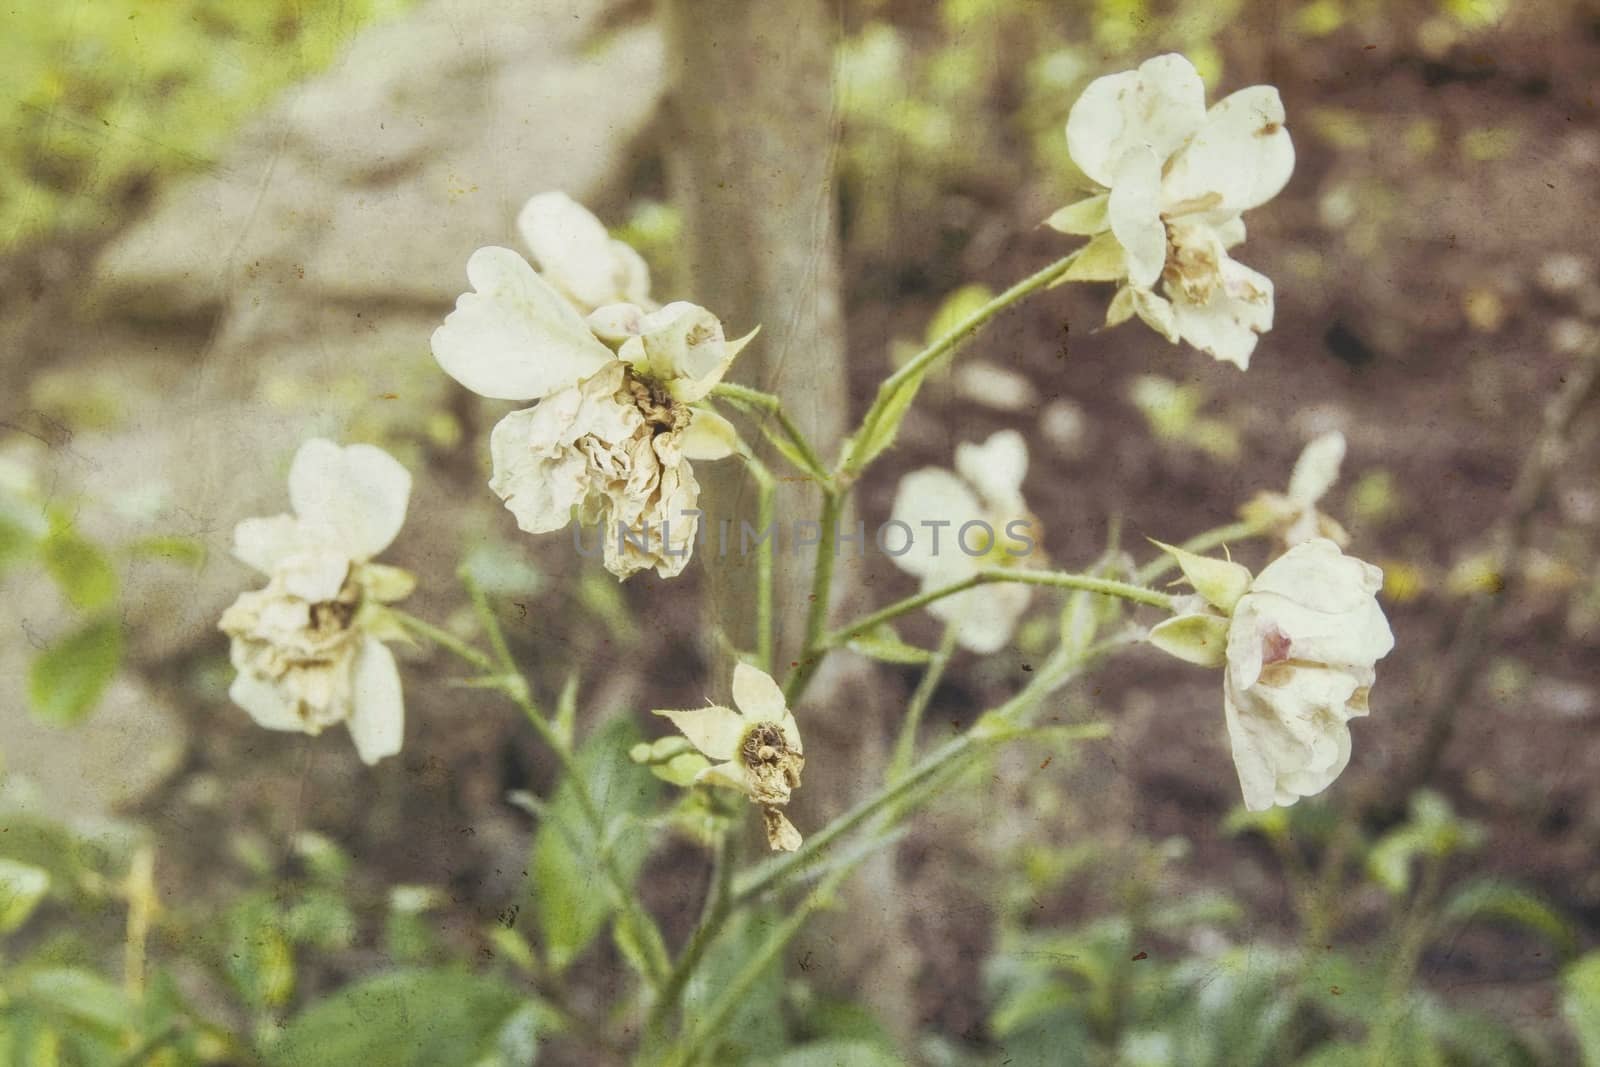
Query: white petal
{"points": [[1156, 107], [315, 575], [1250, 744], [1316, 574], [985, 617], [514, 337], [263, 543], [729, 775], [540, 480], [378, 714], [576, 255], [1317, 469], [1155, 312], [935, 496], [359, 493], [1240, 158], [1135, 213], [1229, 232], [1226, 325], [709, 436], [996, 469], [714, 730], [682, 341], [757, 695], [268, 705]]}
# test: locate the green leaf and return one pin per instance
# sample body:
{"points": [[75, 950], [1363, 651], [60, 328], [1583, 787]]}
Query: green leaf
{"points": [[22, 887], [1197, 638], [83, 998], [1492, 899], [83, 572], [639, 942], [1101, 260], [756, 1025], [571, 894], [22, 530], [881, 434], [259, 958], [956, 308], [884, 645], [186, 551], [1220, 581], [66, 680], [1580, 1004], [836, 1054], [1082, 219], [415, 1018]]}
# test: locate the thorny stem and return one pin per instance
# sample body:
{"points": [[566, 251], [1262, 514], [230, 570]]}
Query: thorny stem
{"points": [[766, 502], [718, 906], [821, 592], [905, 748], [804, 454], [1138, 594], [510, 681], [853, 461]]}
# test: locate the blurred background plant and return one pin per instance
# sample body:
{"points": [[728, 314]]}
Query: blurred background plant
{"points": [[1109, 909]]}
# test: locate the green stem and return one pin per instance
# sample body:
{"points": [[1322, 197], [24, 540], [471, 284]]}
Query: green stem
{"points": [[688, 1051], [444, 639], [766, 515], [514, 685], [804, 456], [905, 748], [821, 592], [718, 906], [1050, 677], [1059, 579], [1237, 531], [965, 330]]}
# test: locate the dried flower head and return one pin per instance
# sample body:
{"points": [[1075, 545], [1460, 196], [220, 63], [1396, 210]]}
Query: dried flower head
{"points": [[1299, 644], [617, 422], [308, 647], [1179, 177], [756, 748]]}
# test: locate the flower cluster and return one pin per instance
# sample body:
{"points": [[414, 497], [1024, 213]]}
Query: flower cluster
{"points": [[1178, 178], [1298, 644], [617, 380], [308, 647]]}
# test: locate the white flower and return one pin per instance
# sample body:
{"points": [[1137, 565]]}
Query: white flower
{"points": [[306, 647], [576, 255], [982, 497], [1294, 515], [757, 748], [1299, 654], [1179, 177], [611, 438]]}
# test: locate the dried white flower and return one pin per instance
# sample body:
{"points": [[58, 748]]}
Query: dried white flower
{"points": [[756, 748], [1179, 177], [963, 521], [610, 440], [308, 646], [1299, 645]]}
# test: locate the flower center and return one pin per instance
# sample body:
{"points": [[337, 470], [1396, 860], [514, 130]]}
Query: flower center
{"points": [[661, 413], [764, 746]]}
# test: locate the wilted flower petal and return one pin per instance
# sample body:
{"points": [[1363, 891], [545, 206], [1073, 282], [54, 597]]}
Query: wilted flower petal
{"points": [[1156, 107], [377, 714], [576, 255], [514, 337]]}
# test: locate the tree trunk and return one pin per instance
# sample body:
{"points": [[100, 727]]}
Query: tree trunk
{"points": [[753, 137]]}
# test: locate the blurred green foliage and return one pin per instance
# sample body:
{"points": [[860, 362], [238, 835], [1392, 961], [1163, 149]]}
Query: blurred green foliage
{"points": [[98, 95]]}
